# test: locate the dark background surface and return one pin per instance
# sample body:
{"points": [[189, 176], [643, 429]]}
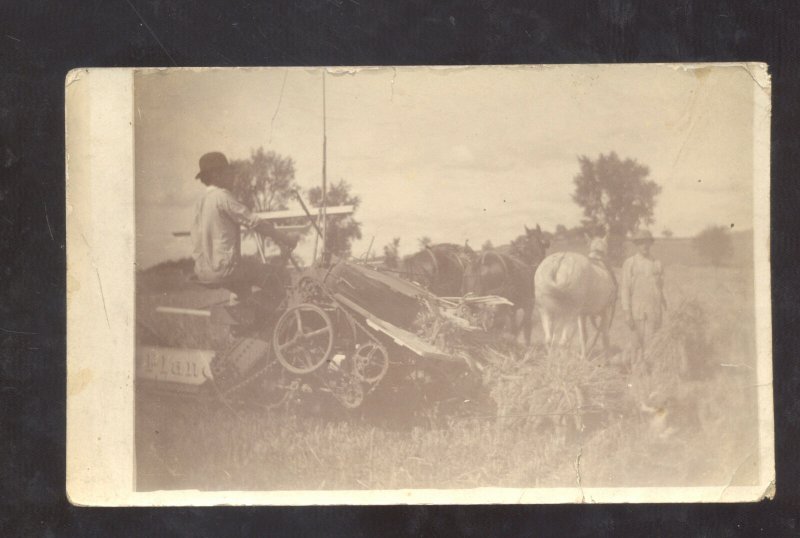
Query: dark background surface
{"points": [[41, 40]]}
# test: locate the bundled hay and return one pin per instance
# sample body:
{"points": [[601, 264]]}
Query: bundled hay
{"points": [[680, 349], [454, 330], [558, 388]]}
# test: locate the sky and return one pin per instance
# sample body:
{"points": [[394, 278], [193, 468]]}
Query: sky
{"points": [[454, 154]]}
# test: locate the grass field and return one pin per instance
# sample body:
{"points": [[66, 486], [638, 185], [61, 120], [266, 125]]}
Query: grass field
{"points": [[657, 428]]}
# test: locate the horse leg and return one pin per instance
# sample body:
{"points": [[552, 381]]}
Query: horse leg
{"points": [[504, 319], [597, 323], [553, 333], [604, 328], [512, 326], [547, 328], [582, 335], [527, 324], [567, 332]]}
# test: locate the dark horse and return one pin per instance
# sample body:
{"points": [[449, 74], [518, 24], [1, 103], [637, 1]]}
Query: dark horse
{"points": [[508, 271], [439, 268]]}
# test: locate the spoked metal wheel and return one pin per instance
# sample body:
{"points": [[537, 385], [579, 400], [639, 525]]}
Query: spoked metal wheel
{"points": [[303, 338], [371, 362]]}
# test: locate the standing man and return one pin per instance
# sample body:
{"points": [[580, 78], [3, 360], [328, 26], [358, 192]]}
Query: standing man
{"points": [[216, 232], [642, 292]]}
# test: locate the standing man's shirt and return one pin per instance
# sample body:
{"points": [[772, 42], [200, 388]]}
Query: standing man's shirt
{"points": [[642, 281], [216, 234]]}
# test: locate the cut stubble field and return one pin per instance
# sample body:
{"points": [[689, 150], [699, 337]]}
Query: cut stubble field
{"points": [[554, 420]]}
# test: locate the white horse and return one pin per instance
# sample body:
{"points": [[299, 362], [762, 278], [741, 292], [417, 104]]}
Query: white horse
{"points": [[569, 289]]}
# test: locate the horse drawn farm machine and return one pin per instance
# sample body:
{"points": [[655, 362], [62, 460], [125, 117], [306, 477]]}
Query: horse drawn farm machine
{"points": [[340, 329]]}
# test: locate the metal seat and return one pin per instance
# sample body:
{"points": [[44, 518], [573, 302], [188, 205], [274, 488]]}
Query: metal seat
{"points": [[192, 279]]}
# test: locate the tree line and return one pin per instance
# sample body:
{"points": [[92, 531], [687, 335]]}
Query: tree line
{"points": [[616, 195], [266, 182]]}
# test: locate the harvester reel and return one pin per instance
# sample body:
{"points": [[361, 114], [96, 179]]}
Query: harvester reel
{"points": [[303, 338], [371, 361], [310, 290]]}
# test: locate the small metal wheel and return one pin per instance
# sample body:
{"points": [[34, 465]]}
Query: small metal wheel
{"points": [[371, 361], [303, 338], [349, 392]]}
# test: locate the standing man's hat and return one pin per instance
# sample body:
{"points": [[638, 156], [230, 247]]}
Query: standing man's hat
{"points": [[642, 236], [211, 161]]}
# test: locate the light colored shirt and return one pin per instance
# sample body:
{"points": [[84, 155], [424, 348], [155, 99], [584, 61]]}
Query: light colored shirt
{"points": [[642, 281], [216, 234]]}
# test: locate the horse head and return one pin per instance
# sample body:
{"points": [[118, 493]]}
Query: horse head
{"points": [[418, 268], [597, 242], [534, 246]]}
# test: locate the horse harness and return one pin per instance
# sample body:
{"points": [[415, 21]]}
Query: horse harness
{"points": [[604, 264], [435, 272], [450, 255], [506, 287]]}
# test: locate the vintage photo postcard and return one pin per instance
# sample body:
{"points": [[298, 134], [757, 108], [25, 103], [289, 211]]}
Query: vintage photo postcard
{"points": [[390, 285]]}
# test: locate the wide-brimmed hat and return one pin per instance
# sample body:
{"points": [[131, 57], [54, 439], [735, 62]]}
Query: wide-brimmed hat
{"points": [[642, 236], [210, 162]]}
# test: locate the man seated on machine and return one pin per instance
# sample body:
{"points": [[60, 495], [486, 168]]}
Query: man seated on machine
{"points": [[216, 235]]}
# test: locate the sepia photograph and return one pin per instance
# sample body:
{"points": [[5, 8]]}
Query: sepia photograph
{"points": [[490, 283]]}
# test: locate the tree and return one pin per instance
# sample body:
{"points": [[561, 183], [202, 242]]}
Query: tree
{"points": [[616, 195], [576, 233], [561, 230], [714, 243], [264, 182], [487, 245], [424, 242], [666, 233], [342, 229], [391, 254]]}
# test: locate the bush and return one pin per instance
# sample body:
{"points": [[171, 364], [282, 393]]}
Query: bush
{"points": [[681, 348], [714, 243]]}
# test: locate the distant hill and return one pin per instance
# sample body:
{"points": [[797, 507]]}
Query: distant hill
{"points": [[172, 275], [165, 276], [680, 250], [676, 250]]}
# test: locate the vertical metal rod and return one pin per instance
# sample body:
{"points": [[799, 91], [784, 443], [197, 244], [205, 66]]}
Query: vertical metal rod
{"points": [[311, 218], [324, 172], [316, 244], [369, 249], [260, 247]]}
